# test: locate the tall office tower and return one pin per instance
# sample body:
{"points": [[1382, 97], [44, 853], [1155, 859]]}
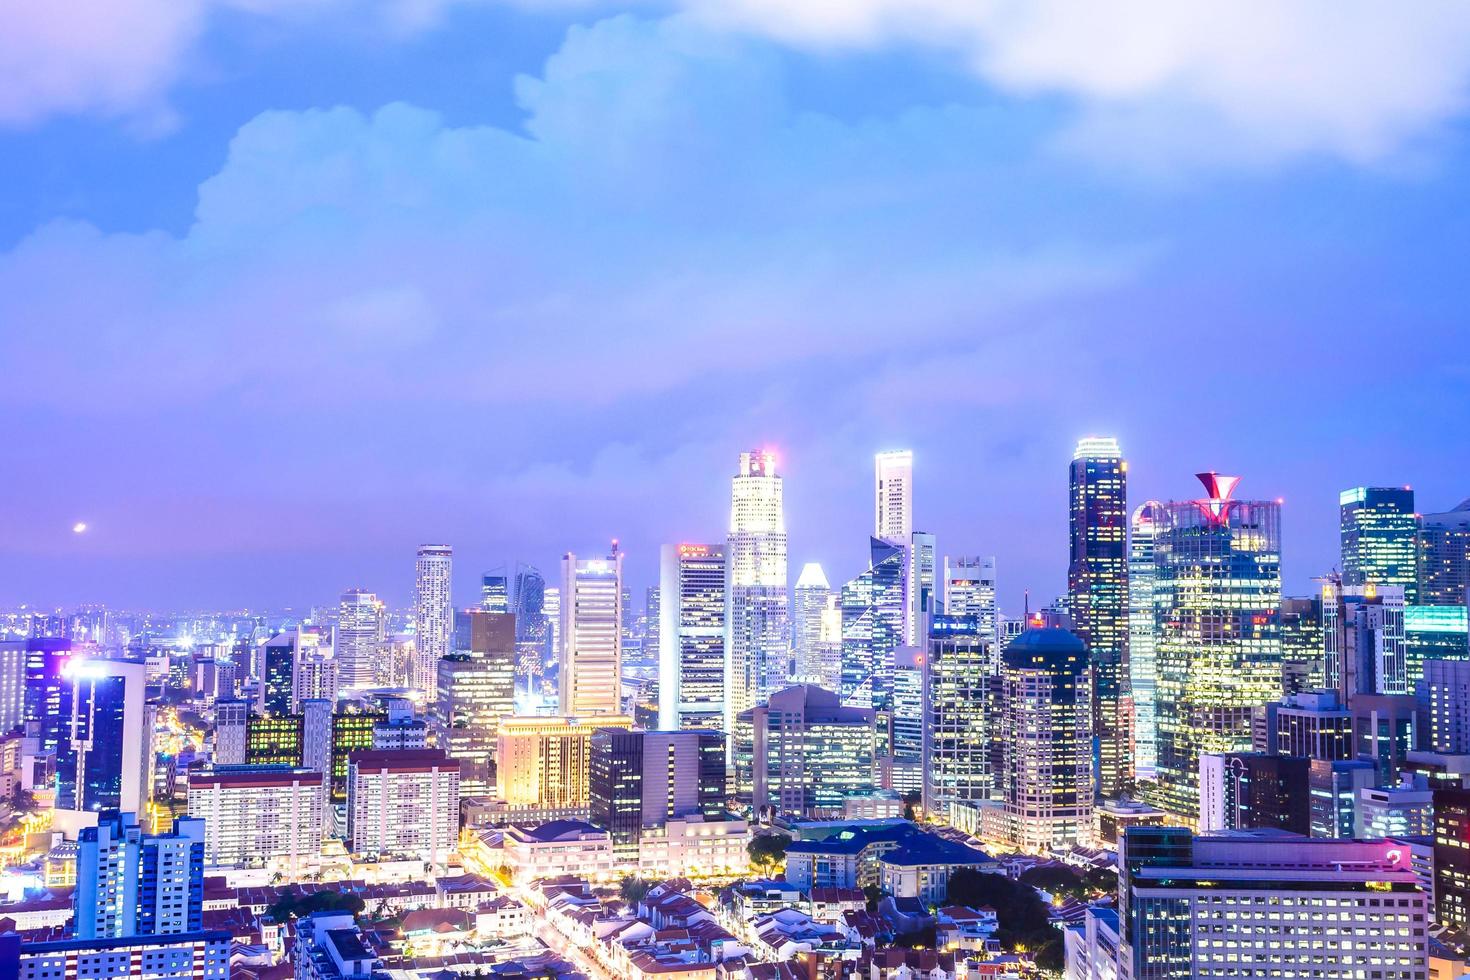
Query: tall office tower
{"points": [[495, 592], [1303, 646], [544, 761], [639, 780], [1434, 633], [808, 753], [433, 614], [1290, 907], [1250, 790], [1217, 651], [104, 760], [1444, 699], [403, 803], [756, 633], [316, 737], [691, 656], [274, 740], [361, 632], [533, 631], [961, 710], [920, 584], [1046, 780], [1444, 557], [12, 684], [1312, 725], [259, 814], [275, 672], [893, 495], [590, 673], [653, 619], [810, 597], [551, 597], [229, 731], [316, 677], [1363, 633], [1141, 628], [476, 693], [1380, 538], [1334, 786], [969, 590], [135, 884], [901, 768], [1097, 596], [626, 617], [873, 616]]}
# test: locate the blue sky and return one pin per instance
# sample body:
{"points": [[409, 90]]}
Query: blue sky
{"points": [[289, 286]]}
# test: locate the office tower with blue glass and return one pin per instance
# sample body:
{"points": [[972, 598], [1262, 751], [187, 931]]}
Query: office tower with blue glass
{"points": [[691, 636], [1380, 538]]}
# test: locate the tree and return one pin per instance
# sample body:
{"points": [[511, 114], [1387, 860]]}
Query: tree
{"points": [[1018, 909], [768, 851], [1055, 878], [1052, 955], [874, 895], [633, 889], [1103, 880]]}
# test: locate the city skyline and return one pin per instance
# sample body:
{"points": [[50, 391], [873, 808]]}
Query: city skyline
{"points": [[196, 304]]}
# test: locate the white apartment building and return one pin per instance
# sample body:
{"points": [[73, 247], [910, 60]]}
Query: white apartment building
{"points": [[259, 816], [403, 804]]}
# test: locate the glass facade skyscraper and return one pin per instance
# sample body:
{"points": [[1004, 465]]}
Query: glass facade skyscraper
{"points": [[757, 630], [961, 714], [1217, 650], [1097, 594], [433, 614], [691, 674], [1141, 628], [873, 616], [1380, 538], [1444, 557]]}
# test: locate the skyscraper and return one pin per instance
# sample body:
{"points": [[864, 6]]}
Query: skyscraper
{"points": [[1141, 634], [1046, 777], [1380, 538], [756, 614], [691, 656], [1097, 592], [590, 674], [1363, 630], [873, 614], [533, 627], [495, 592], [893, 486], [919, 584], [105, 759], [808, 753], [639, 780], [433, 614], [1302, 644], [361, 632], [476, 693], [961, 714], [810, 600], [969, 590], [1444, 557], [1217, 651]]}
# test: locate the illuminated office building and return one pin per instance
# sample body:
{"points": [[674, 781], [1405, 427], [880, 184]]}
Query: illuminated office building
{"points": [[968, 588], [893, 496], [1452, 858], [1046, 720], [1444, 557], [1444, 700], [873, 616], [640, 780], [691, 674], [433, 614], [921, 587], [1433, 633], [274, 740], [533, 628], [809, 753], [1251, 790], [495, 592], [961, 710], [1303, 646], [1097, 594], [544, 761], [361, 633], [901, 741], [476, 693], [1141, 629], [104, 761], [230, 721], [1380, 538], [1363, 630], [1217, 651], [810, 599], [590, 673], [757, 633]]}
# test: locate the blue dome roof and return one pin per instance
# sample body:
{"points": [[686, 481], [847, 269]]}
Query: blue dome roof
{"points": [[1043, 641]]}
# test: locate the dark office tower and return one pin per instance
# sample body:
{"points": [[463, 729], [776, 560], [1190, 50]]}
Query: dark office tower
{"points": [[1380, 538], [12, 684], [278, 740], [691, 658], [45, 700], [278, 672], [1217, 590], [639, 780], [873, 610], [1302, 645], [1249, 790], [533, 630], [1097, 592], [1452, 859], [495, 591], [104, 760], [1444, 557]]}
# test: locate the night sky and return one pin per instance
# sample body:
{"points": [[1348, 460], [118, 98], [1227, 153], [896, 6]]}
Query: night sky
{"points": [[287, 288]]}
